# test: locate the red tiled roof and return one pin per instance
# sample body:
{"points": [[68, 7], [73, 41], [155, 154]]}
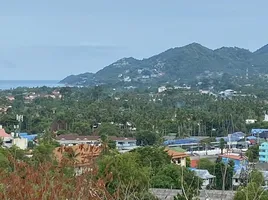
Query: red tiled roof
{"points": [[234, 157], [175, 154], [3, 133]]}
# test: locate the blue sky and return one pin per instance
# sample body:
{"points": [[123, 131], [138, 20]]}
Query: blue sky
{"points": [[52, 39]]}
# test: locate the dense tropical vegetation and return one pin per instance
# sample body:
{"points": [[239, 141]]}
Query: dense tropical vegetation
{"points": [[105, 111]]}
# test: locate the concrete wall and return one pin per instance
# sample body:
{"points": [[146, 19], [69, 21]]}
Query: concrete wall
{"points": [[168, 194], [22, 143]]}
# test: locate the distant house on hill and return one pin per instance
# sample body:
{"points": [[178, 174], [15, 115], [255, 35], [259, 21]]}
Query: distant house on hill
{"points": [[58, 125], [122, 143], [73, 139]]}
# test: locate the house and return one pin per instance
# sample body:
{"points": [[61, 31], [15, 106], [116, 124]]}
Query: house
{"points": [[263, 152], [251, 121], [73, 139], [178, 158], [228, 93], [122, 143], [29, 137], [238, 177], [162, 89], [204, 175], [241, 174], [257, 132], [240, 161], [22, 143], [58, 125], [6, 138], [82, 156]]}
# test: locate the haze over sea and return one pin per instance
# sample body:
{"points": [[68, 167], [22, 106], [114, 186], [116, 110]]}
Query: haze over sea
{"points": [[11, 84]]}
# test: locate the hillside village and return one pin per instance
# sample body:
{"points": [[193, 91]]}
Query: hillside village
{"points": [[245, 150]]}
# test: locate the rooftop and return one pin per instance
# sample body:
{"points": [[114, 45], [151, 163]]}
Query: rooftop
{"points": [[202, 173], [234, 156], [3, 133], [175, 154], [91, 137]]}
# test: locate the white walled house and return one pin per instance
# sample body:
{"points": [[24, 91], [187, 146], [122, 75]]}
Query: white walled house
{"points": [[125, 143], [162, 89], [22, 143]]}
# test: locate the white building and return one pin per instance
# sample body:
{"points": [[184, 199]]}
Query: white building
{"points": [[162, 89], [22, 143]]}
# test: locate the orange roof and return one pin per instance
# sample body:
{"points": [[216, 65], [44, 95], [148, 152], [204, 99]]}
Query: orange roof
{"points": [[175, 154], [234, 157], [82, 154]]}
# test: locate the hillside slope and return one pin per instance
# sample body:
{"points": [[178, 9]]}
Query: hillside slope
{"points": [[181, 65]]}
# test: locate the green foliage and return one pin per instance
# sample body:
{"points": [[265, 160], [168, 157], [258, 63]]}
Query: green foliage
{"points": [[128, 175], [253, 153], [205, 163], [108, 129], [153, 157], [257, 177], [251, 191], [175, 177], [224, 175], [146, 138], [222, 145]]}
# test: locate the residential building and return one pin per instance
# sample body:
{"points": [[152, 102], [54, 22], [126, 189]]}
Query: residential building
{"points": [[123, 143], [178, 158], [238, 177], [240, 161], [6, 138], [22, 143], [263, 152], [204, 175], [251, 121], [257, 132], [72, 139], [162, 89]]}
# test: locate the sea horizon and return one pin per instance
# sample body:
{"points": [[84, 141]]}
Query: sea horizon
{"points": [[12, 84]]}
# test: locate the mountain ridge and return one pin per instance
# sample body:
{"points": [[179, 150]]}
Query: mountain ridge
{"points": [[179, 64]]}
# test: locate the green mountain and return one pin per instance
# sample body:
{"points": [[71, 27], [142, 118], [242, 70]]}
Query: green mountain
{"points": [[179, 65]]}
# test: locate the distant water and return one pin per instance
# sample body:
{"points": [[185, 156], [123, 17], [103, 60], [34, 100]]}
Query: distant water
{"points": [[11, 84]]}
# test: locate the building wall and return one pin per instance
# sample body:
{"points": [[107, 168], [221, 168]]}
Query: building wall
{"points": [[22, 143], [263, 152], [125, 144]]}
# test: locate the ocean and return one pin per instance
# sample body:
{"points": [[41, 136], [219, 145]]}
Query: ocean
{"points": [[11, 84]]}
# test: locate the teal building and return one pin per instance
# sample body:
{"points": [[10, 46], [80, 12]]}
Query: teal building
{"points": [[263, 152]]}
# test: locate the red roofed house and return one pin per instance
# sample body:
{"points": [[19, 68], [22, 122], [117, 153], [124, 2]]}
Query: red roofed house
{"points": [[178, 158], [3, 135], [240, 161]]}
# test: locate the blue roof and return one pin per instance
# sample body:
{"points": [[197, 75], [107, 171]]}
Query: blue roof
{"points": [[181, 141], [28, 137], [251, 138], [258, 130]]}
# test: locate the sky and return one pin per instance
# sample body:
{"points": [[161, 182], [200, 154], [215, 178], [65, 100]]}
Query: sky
{"points": [[48, 40]]}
